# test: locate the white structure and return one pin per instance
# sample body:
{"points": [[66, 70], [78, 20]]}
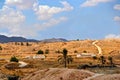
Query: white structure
{"points": [[36, 57], [39, 57], [85, 55]]}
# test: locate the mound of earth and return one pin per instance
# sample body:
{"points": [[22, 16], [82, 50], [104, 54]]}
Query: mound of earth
{"points": [[59, 74], [12, 65]]}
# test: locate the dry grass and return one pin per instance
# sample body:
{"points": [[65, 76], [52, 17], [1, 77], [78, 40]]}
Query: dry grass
{"points": [[109, 47]]}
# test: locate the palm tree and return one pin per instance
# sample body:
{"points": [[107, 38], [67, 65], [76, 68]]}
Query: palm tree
{"points": [[65, 55], [61, 59], [69, 59], [65, 59]]}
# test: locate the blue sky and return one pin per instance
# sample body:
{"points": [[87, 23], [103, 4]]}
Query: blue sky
{"points": [[69, 19]]}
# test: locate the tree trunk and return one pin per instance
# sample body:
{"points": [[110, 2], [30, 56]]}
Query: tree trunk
{"points": [[65, 63]]}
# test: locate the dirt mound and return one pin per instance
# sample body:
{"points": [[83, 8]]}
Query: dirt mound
{"points": [[59, 74], [12, 65]]}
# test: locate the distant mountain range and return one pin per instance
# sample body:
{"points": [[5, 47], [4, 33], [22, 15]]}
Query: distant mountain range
{"points": [[5, 39], [54, 40]]}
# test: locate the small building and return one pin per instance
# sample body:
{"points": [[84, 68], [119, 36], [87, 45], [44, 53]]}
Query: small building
{"points": [[85, 55], [35, 57], [39, 57]]}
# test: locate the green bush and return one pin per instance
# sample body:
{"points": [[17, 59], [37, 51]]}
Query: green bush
{"points": [[14, 59], [40, 52]]}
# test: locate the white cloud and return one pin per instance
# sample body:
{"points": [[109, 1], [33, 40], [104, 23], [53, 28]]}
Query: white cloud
{"points": [[21, 4], [50, 23], [117, 7], [45, 12], [10, 18], [32, 30], [89, 3], [112, 36], [13, 21], [117, 18]]}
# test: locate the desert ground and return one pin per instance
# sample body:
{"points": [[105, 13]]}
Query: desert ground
{"points": [[49, 68]]}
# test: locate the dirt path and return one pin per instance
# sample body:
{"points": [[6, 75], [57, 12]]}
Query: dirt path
{"points": [[99, 48]]}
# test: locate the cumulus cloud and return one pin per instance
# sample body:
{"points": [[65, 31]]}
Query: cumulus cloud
{"points": [[14, 21], [10, 18], [117, 7], [21, 4], [45, 12], [89, 3], [32, 30], [112, 36], [50, 23]]}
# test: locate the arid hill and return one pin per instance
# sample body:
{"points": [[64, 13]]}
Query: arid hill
{"points": [[110, 47], [59, 74], [69, 74]]}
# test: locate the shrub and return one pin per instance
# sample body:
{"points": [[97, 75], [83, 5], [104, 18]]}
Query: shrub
{"points": [[40, 52], [84, 51], [0, 48], [75, 51], [22, 44], [47, 51], [27, 44], [14, 59]]}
